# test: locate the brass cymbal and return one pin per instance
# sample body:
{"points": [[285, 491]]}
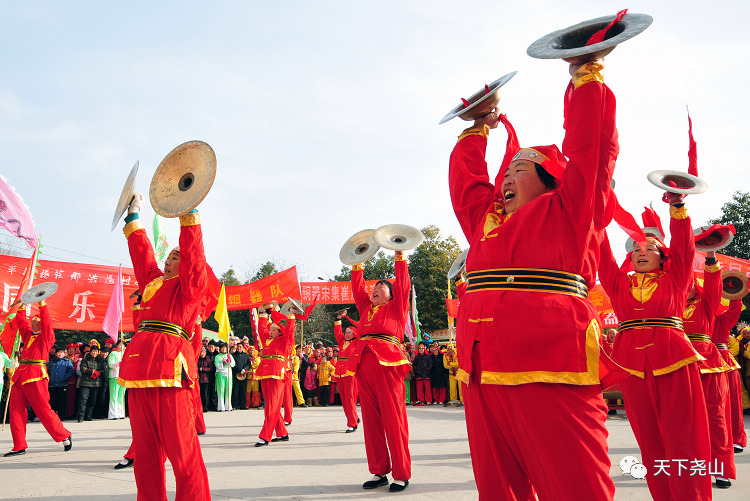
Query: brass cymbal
{"points": [[183, 179]]}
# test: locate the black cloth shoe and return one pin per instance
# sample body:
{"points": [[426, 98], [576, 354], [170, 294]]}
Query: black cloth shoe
{"points": [[738, 449], [260, 443], [14, 453], [398, 487], [287, 423], [723, 484], [285, 438], [375, 483], [125, 463], [351, 429], [68, 443]]}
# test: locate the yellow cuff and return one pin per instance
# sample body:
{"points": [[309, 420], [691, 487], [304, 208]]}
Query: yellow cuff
{"points": [[589, 72], [190, 219], [460, 280], [678, 212], [400, 257], [41, 303], [263, 315], [337, 322], [22, 307], [132, 226], [483, 131], [358, 267], [712, 268]]}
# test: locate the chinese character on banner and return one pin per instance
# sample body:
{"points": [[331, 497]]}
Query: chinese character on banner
{"points": [[345, 293], [256, 297], [315, 290], [44, 273], [9, 295], [662, 465], [11, 270], [335, 293], [306, 294], [109, 280], [126, 280], [58, 274], [325, 293], [82, 307], [75, 276], [234, 299], [276, 291], [93, 278]]}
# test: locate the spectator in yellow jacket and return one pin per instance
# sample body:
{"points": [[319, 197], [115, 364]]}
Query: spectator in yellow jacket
{"points": [[325, 371], [450, 362]]}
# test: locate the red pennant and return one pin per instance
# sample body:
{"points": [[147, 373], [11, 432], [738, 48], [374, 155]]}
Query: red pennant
{"points": [[486, 89], [466, 103], [692, 150]]}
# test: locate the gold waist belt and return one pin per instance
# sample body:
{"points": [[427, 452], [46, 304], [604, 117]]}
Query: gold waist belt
{"points": [[164, 328], [383, 337], [699, 337], [535, 279], [722, 346], [273, 357], [673, 322], [33, 362]]}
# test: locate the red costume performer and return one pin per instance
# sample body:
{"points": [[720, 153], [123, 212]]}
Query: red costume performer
{"points": [[272, 374], [31, 382], [528, 274], [347, 383], [159, 365], [663, 396], [721, 333], [698, 318], [380, 365]]}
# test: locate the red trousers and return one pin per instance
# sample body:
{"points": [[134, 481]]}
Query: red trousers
{"points": [[288, 399], [348, 392], [35, 394], [131, 451], [424, 390], [739, 436], [200, 423], [553, 442], [381, 398], [162, 421], [716, 392], [273, 392], [438, 395], [669, 420]]}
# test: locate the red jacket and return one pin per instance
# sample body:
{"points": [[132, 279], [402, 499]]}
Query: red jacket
{"points": [[35, 353], [345, 350], [559, 230], [698, 318], [652, 295], [274, 361], [160, 359], [722, 325], [386, 321]]}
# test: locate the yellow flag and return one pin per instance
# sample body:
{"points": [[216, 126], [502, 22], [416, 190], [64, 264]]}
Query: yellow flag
{"points": [[222, 316]]}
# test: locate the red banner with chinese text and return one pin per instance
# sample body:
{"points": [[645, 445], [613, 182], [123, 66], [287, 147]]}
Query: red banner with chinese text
{"points": [[277, 287], [83, 291], [331, 292]]}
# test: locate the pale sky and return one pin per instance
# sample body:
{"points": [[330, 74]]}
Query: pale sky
{"points": [[324, 115]]}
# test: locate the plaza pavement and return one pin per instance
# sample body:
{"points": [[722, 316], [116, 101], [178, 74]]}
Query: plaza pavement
{"points": [[319, 462]]}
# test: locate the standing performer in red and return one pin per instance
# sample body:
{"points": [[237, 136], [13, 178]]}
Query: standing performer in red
{"points": [[30, 382], [380, 365], [698, 318], [721, 334], [663, 395], [159, 366], [276, 342], [534, 241], [347, 383]]}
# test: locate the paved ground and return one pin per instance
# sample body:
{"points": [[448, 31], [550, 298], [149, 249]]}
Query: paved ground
{"points": [[320, 461]]}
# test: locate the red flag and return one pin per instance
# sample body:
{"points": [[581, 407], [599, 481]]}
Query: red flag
{"points": [[692, 150], [452, 305], [8, 335]]}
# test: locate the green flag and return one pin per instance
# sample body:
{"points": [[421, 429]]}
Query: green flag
{"points": [[161, 246]]}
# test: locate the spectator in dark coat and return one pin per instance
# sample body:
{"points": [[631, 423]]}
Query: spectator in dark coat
{"points": [[92, 379], [206, 369], [241, 370], [60, 369], [438, 375], [422, 365]]}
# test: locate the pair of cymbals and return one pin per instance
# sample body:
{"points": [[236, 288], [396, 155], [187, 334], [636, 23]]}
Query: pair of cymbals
{"points": [[568, 44], [181, 181], [366, 243], [733, 285], [291, 307], [714, 237]]}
